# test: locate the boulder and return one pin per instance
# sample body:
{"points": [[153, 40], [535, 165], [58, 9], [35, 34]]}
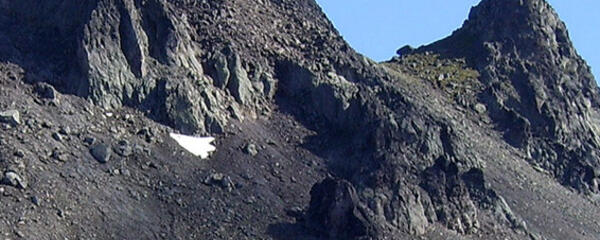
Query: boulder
{"points": [[251, 149], [124, 149], [45, 90], [13, 179], [11, 117], [334, 210], [480, 108], [101, 152], [220, 180], [269, 85]]}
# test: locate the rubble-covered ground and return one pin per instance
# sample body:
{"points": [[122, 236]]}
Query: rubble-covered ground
{"points": [[491, 133]]}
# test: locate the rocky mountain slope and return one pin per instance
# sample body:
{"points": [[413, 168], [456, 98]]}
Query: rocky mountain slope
{"points": [[490, 133]]}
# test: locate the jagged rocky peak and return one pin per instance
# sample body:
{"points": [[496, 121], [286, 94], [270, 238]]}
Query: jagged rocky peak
{"points": [[532, 20], [524, 76], [536, 88]]}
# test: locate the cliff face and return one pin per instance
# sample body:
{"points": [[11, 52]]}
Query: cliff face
{"points": [[130, 53], [470, 137], [540, 93]]}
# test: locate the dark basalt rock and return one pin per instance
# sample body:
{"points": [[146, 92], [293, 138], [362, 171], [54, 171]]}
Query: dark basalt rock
{"points": [[450, 197], [45, 90], [335, 211], [101, 152]]}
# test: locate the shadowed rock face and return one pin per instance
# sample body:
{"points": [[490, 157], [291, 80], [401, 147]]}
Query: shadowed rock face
{"points": [[403, 152], [126, 53], [335, 211]]}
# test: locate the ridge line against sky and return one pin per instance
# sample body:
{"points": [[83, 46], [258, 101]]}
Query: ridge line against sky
{"points": [[378, 28]]}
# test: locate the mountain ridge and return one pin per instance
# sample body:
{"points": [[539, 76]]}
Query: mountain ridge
{"points": [[314, 140]]}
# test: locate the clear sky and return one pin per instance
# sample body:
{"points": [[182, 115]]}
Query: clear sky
{"points": [[377, 28]]}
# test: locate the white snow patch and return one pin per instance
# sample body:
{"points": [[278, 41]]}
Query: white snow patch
{"points": [[199, 146]]}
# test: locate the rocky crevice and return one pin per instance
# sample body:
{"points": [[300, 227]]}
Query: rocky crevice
{"points": [[130, 43], [159, 29]]}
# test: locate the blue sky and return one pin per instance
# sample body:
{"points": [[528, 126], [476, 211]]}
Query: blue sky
{"points": [[377, 28]]}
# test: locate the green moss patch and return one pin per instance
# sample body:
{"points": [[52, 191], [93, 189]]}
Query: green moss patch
{"points": [[450, 75]]}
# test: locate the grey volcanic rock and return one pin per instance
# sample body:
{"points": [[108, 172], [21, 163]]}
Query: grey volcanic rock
{"points": [[222, 70], [101, 152], [450, 197], [220, 180], [452, 140], [334, 210], [239, 84], [11, 117], [250, 149], [537, 89], [45, 90], [13, 179], [130, 53], [507, 95], [123, 149]]}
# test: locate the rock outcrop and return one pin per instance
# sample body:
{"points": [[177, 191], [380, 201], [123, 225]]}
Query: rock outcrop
{"points": [[538, 91], [335, 211], [139, 54], [450, 139]]}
